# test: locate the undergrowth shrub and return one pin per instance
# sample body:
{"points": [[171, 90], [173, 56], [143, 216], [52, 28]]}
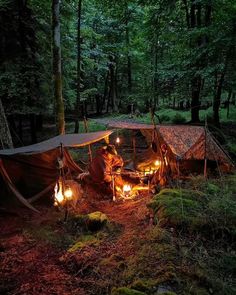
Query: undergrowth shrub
{"points": [[164, 118], [178, 119]]}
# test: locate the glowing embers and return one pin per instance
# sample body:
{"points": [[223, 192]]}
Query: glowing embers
{"points": [[125, 192], [62, 194]]}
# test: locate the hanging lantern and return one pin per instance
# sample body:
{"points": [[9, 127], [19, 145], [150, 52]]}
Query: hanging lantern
{"points": [[68, 193], [59, 198], [118, 140], [157, 163]]}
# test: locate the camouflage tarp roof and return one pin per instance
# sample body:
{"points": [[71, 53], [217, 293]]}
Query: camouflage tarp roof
{"points": [[185, 141]]}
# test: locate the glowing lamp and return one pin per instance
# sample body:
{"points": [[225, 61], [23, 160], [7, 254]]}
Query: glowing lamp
{"points": [[59, 198], [118, 140], [157, 163], [68, 193]]}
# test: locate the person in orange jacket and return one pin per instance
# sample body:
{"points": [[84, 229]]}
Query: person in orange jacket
{"points": [[104, 164]]}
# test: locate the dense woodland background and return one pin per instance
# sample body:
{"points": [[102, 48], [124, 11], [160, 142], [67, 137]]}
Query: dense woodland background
{"points": [[94, 57]]}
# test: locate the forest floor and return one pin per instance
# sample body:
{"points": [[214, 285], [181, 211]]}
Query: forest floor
{"points": [[177, 242], [36, 255]]}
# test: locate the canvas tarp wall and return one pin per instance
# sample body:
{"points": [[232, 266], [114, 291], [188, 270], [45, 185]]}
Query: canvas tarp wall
{"points": [[67, 140], [30, 170]]}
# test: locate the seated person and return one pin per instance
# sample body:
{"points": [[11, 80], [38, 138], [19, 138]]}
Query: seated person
{"points": [[103, 164]]}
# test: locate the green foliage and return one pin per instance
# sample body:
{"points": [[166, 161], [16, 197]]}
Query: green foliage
{"points": [[126, 291], [149, 39], [178, 119]]}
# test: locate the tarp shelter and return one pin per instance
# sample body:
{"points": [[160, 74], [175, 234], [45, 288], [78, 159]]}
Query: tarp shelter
{"points": [[33, 170], [188, 146]]}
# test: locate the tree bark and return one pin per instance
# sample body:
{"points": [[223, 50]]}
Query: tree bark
{"points": [[112, 92], [77, 105], [5, 135], [217, 99], [186, 13], [57, 74], [155, 78], [228, 102], [195, 15], [105, 93], [129, 69], [195, 102]]}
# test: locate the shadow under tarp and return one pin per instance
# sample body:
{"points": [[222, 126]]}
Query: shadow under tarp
{"points": [[31, 171]]}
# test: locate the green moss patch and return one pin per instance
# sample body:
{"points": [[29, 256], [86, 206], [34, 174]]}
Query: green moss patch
{"points": [[83, 241], [90, 222], [126, 291]]}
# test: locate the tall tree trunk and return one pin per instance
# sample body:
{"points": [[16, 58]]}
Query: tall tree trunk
{"points": [[196, 81], [77, 105], [217, 99], [195, 102], [155, 78], [5, 135], [105, 93], [127, 37], [228, 102], [219, 85], [57, 75], [187, 16], [113, 93]]}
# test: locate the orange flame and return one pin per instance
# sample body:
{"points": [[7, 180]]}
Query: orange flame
{"points": [[126, 189], [59, 198]]}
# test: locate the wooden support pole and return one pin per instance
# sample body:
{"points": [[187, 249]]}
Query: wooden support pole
{"points": [[113, 187], [156, 137], [134, 146]]}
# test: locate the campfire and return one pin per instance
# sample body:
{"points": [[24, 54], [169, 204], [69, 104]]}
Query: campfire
{"points": [[127, 190]]}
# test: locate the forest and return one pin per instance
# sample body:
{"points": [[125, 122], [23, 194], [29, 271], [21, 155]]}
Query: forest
{"points": [[74, 67], [112, 56]]}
